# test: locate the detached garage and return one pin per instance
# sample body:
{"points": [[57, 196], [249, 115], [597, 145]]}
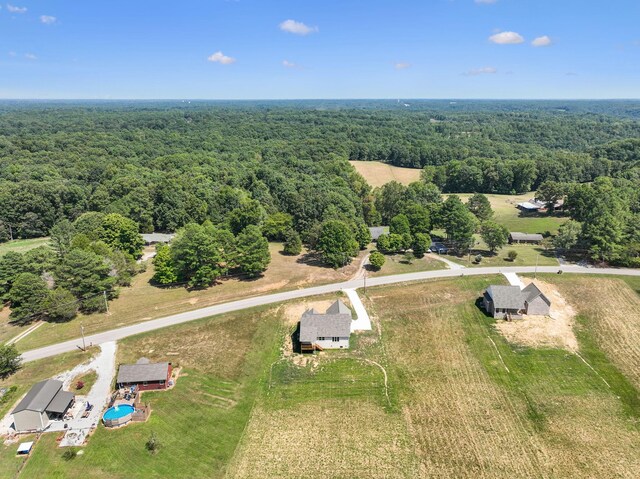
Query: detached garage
{"points": [[45, 401]]}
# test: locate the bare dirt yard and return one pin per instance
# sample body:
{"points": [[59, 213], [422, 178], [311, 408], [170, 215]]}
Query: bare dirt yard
{"points": [[378, 174], [554, 331]]}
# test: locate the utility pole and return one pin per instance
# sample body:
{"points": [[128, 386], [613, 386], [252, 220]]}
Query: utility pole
{"points": [[106, 303], [84, 346], [365, 281]]}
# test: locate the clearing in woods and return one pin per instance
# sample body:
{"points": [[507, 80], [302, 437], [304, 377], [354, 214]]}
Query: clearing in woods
{"points": [[377, 173]]}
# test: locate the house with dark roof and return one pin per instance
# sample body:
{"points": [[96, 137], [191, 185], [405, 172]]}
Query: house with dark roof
{"points": [[534, 238], [511, 302], [328, 330], [45, 401], [144, 375]]}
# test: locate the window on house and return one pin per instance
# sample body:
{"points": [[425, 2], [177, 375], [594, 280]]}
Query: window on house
{"points": [[321, 338], [335, 339]]}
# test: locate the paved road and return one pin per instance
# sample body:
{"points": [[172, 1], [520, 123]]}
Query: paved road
{"points": [[120, 333]]}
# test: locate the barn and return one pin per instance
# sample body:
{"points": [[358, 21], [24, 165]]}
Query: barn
{"points": [[45, 401]]}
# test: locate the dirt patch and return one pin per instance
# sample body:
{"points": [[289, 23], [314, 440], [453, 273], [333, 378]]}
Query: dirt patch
{"points": [[555, 330], [293, 311]]}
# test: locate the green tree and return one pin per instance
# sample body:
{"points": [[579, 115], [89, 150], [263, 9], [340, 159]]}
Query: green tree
{"points": [[250, 212], [391, 243], [62, 235], [277, 225], [376, 259], [253, 251], [568, 235], [458, 223], [551, 192], [389, 200], [197, 257], [27, 295], [512, 255], [494, 235], [337, 243], [87, 275], [165, 272], [363, 235], [11, 265], [421, 244], [90, 225], [408, 257], [60, 305], [123, 234], [400, 225], [419, 218], [480, 206], [10, 360], [292, 243]]}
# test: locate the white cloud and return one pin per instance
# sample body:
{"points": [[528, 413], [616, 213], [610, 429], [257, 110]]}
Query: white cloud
{"points": [[30, 56], [14, 9], [288, 64], [506, 38], [486, 2], [297, 28], [543, 41], [47, 19], [481, 71], [402, 65], [219, 57]]}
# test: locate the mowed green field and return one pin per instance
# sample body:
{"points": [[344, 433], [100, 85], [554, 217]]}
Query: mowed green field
{"points": [[433, 391], [506, 213], [21, 246]]}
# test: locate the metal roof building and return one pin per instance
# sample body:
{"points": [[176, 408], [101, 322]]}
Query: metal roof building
{"points": [[45, 401]]}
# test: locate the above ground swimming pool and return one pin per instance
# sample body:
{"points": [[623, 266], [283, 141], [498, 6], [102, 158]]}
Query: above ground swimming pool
{"points": [[118, 415]]}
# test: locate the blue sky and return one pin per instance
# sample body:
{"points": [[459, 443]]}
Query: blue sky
{"points": [[228, 49]]}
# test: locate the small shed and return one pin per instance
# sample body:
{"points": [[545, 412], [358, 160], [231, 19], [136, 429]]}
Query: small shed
{"points": [[25, 448], [45, 401], [526, 238]]}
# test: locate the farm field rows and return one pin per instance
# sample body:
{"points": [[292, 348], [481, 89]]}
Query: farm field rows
{"points": [[433, 391]]}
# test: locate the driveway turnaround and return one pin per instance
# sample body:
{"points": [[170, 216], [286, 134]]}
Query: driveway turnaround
{"points": [[124, 332], [363, 323]]}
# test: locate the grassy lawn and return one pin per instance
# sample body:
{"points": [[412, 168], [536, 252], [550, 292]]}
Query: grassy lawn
{"points": [[200, 421], [88, 379], [10, 462], [395, 264], [527, 256], [20, 246], [377, 173], [143, 301], [506, 213]]}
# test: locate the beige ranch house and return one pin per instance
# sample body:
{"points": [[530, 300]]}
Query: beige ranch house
{"points": [[329, 330], [511, 302]]}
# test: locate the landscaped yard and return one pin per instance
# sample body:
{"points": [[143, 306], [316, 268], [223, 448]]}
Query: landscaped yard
{"points": [[20, 246], [397, 264], [143, 301], [528, 255]]}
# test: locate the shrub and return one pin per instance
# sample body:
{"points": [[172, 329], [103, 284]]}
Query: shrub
{"points": [[377, 260], [69, 454], [512, 255], [153, 445], [79, 385], [478, 258]]}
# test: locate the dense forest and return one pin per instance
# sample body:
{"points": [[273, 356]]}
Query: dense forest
{"points": [[168, 164]]}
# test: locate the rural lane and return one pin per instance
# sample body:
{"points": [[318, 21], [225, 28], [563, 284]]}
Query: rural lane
{"points": [[152, 325]]}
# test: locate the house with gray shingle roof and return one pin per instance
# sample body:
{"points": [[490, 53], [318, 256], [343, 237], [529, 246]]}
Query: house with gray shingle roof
{"points": [[529, 238], [144, 375], [44, 402], [329, 330], [511, 302]]}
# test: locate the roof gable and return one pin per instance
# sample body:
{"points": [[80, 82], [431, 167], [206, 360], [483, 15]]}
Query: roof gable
{"points": [[532, 292], [39, 396], [139, 373]]}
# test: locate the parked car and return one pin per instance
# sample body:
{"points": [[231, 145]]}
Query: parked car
{"points": [[438, 248]]}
